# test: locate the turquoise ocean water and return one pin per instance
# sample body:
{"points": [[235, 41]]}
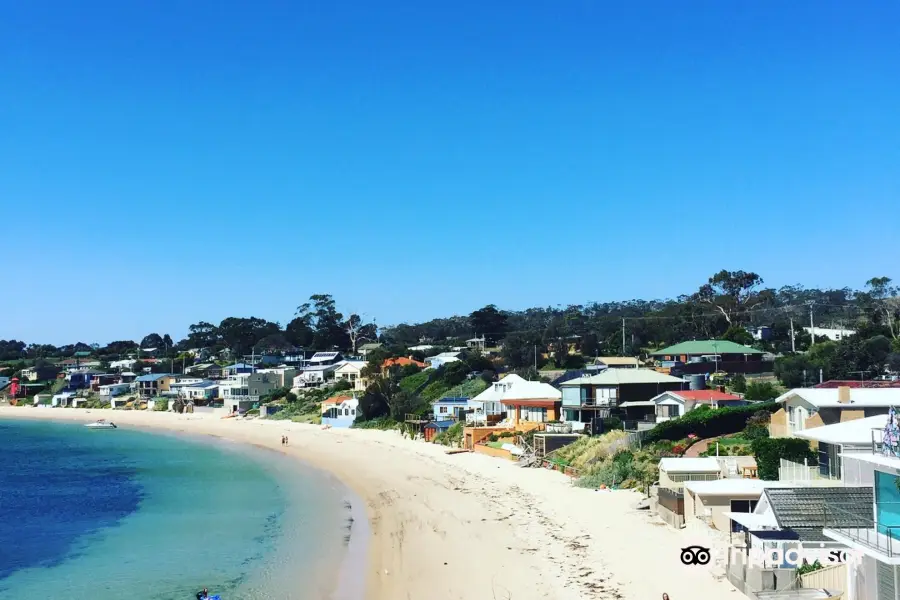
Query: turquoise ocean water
{"points": [[106, 515]]}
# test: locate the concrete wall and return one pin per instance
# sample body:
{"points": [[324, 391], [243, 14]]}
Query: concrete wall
{"points": [[672, 518], [751, 579], [695, 506]]}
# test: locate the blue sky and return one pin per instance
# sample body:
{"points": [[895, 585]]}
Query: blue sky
{"points": [[169, 162]]}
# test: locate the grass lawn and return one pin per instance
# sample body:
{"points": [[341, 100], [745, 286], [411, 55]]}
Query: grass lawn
{"points": [[734, 440]]}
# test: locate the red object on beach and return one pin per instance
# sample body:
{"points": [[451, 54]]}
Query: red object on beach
{"points": [[14, 387]]}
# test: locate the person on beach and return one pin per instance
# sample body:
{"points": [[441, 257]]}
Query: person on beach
{"points": [[285, 441], [203, 595], [665, 596], [282, 440]]}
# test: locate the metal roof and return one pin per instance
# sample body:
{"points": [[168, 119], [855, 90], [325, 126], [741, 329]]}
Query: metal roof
{"points": [[706, 347], [624, 377], [453, 400], [805, 507], [152, 377]]}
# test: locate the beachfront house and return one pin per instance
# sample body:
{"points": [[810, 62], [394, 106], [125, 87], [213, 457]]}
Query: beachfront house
{"points": [[806, 408], [351, 372], [203, 390], [587, 399], [320, 359], [710, 501], [487, 408], [339, 411], [450, 408], [154, 384], [788, 520], [872, 530], [710, 356], [833, 442], [112, 390], [677, 403], [531, 402], [668, 503], [63, 399]]}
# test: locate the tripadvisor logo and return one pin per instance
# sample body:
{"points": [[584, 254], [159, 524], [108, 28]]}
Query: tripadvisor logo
{"points": [[800, 555]]}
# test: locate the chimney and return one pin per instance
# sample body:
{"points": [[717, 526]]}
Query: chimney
{"points": [[844, 394]]}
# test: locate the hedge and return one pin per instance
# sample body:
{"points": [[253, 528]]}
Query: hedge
{"points": [[708, 423], [769, 452]]}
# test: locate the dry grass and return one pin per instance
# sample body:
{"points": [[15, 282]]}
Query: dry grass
{"points": [[590, 452]]}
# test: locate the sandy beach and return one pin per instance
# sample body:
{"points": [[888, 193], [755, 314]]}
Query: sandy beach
{"points": [[468, 526]]}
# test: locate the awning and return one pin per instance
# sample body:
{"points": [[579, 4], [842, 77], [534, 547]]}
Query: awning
{"points": [[638, 403], [752, 520]]}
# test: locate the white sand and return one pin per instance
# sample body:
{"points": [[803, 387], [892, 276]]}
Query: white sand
{"points": [[468, 526]]}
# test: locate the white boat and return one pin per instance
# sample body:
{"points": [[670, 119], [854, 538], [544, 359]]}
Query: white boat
{"points": [[101, 424]]}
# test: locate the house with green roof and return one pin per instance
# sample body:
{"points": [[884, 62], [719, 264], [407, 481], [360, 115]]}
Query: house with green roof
{"points": [[709, 356]]}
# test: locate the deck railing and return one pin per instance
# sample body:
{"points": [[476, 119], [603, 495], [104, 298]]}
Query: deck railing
{"points": [[862, 528]]}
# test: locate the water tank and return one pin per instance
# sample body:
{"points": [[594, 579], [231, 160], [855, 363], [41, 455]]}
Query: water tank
{"points": [[698, 382]]}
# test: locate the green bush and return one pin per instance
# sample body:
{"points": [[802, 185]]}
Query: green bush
{"points": [[411, 384], [290, 397], [769, 451], [161, 405], [452, 437], [762, 390], [708, 423], [739, 384], [382, 423]]}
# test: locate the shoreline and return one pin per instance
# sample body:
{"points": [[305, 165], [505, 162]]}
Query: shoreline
{"points": [[467, 525]]}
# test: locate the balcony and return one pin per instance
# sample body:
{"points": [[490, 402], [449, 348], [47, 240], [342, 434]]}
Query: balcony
{"points": [[863, 532]]}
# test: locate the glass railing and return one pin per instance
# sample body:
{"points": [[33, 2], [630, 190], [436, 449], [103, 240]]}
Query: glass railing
{"points": [[862, 528]]}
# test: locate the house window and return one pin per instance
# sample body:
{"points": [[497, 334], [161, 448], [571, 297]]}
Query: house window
{"points": [[532, 414], [442, 410], [742, 506], [352, 412], [667, 410]]}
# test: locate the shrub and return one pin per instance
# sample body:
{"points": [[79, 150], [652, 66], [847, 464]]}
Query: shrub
{"points": [[769, 451], [762, 390], [342, 386], [161, 405], [708, 423], [291, 397], [739, 384], [383, 423], [452, 437]]}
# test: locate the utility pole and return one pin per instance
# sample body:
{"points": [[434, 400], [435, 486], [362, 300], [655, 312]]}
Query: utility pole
{"points": [[793, 346], [812, 326], [535, 357], [623, 336]]}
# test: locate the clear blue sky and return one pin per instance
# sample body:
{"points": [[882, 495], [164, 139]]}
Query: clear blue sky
{"points": [[163, 163]]}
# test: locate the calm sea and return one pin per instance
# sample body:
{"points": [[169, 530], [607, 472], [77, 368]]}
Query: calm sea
{"points": [[106, 515]]}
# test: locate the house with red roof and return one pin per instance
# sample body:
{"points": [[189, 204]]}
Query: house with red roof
{"points": [[402, 361], [674, 404]]}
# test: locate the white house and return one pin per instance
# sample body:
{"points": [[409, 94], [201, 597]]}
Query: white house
{"points": [[805, 408], [351, 371], [339, 411], [62, 399], [834, 335], [873, 530], [488, 403], [444, 358], [122, 365], [675, 403], [314, 375]]}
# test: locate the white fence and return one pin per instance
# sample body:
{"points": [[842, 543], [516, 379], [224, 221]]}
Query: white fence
{"points": [[791, 471], [829, 578]]}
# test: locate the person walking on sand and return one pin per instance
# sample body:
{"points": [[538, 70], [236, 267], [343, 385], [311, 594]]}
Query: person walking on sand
{"points": [[285, 440]]}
